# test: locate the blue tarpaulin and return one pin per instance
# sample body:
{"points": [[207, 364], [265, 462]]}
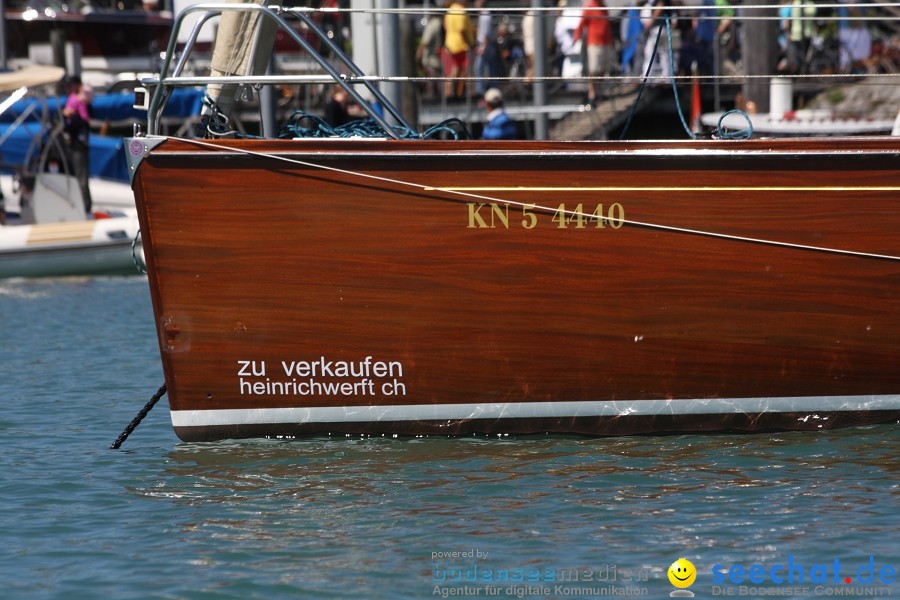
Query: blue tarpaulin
{"points": [[183, 102], [107, 154]]}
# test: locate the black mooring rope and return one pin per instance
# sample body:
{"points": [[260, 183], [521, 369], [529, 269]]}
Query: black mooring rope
{"points": [[643, 83], [137, 419]]}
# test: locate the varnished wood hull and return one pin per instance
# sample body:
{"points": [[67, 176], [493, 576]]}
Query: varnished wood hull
{"points": [[373, 287]]}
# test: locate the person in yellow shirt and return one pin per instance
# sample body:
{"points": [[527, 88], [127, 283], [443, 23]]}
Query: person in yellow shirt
{"points": [[459, 38]]}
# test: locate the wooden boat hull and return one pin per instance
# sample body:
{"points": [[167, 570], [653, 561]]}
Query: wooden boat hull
{"points": [[474, 287]]}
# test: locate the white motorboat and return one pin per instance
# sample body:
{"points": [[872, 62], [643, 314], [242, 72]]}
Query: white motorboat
{"points": [[44, 229]]}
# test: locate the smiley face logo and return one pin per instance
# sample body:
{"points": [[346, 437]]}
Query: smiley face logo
{"points": [[682, 573]]}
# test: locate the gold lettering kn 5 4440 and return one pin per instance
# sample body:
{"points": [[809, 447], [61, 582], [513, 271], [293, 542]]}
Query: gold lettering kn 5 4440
{"points": [[494, 215]]}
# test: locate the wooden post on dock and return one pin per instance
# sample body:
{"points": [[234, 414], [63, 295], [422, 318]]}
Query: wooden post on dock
{"points": [[540, 69], [58, 50], [760, 52], [3, 44], [268, 105], [388, 26], [409, 106]]}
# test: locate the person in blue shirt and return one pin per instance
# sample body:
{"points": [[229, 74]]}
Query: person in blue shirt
{"points": [[499, 125]]}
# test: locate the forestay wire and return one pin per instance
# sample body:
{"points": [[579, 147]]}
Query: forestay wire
{"points": [[721, 133]]}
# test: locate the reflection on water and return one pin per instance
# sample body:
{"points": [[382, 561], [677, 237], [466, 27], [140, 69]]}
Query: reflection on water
{"points": [[530, 500]]}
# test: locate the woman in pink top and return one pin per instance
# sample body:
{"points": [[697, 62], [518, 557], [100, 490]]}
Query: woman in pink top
{"points": [[77, 115]]}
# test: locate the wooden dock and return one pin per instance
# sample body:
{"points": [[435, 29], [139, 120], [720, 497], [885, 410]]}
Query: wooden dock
{"points": [[595, 123], [569, 120]]}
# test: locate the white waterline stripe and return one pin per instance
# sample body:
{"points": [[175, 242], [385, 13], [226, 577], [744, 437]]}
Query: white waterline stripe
{"points": [[518, 410]]}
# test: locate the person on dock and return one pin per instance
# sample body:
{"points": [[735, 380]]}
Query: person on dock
{"points": [[601, 54], [428, 54], [336, 111], [797, 22], [500, 125], [487, 53], [709, 22], [459, 38], [77, 131], [653, 17]]}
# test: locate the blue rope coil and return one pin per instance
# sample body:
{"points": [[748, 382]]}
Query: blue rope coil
{"points": [[739, 134], [305, 125]]}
